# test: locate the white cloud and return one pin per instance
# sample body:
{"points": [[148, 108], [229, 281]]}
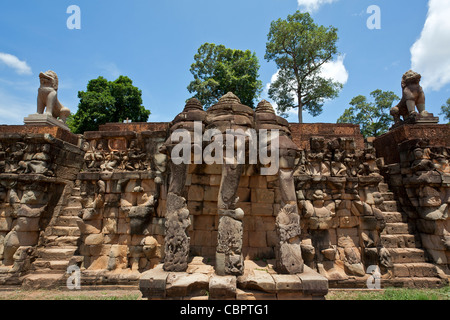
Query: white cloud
{"points": [[430, 54], [335, 70], [21, 67], [272, 80], [331, 70], [313, 5], [111, 70]]}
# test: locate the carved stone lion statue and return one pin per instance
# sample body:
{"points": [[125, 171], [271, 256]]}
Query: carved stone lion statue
{"points": [[48, 97], [412, 97]]}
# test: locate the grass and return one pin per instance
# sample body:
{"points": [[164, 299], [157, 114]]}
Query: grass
{"points": [[391, 294], [344, 294]]}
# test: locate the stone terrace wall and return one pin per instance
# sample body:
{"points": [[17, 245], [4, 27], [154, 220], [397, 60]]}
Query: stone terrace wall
{"points": [[122, 198], [387, 144], [99, 201], [420, 177], [55, 132], [302, 133], [37, 172]]}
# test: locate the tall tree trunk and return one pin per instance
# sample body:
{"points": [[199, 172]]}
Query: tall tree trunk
{"points": [[300, 104], [300, 113]]}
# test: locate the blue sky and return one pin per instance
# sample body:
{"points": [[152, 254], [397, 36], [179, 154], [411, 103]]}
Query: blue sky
{"points": [[154, 42]]}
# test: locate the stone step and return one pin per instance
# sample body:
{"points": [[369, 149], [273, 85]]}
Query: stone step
{"points": [[397, 228], [418, 269], [406, 255], [60, 241], [416, 282], [64, 241], [50, 265], [383, 187], [390, 206], [44, 281], [398, 241], [54, 254], [67, 221], [388, 196], [74, 201], [63, 231], [72, 211], [76, 191], [47, 271], [394, 217], [429, 282]]}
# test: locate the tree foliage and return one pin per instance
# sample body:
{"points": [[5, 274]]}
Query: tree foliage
{"points": [[445, 110], [218, 70], [300, 48], [373, 117], [108, 101]]}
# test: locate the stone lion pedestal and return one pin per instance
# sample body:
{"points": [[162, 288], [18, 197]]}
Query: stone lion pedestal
{"points": [[44, 120]]}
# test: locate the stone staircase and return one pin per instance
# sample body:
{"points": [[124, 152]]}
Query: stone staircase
{"points": [[410, 266], [60, 244]]}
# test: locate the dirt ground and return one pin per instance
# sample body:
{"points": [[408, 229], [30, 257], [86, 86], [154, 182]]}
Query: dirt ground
{"points": [[105, 294], [135, 294], [18, 294]]}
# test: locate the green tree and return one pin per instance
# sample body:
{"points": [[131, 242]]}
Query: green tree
{"points": [[218, 70], [373, 117], [107, 101], [300, 48], [445, 111]]}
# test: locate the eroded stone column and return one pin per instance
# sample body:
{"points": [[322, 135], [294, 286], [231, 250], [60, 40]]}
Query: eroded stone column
{"points": [[177, 240], [229, 259], [230, 118], [288, 251]]}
